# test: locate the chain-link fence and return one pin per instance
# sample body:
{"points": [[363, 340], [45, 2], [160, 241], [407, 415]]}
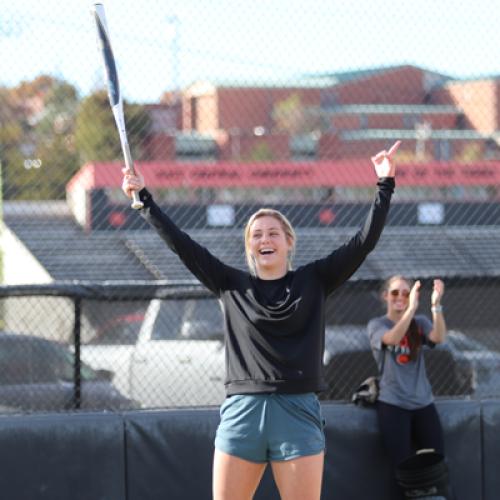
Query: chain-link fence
{"points": [[231, 107], [138, 345]]}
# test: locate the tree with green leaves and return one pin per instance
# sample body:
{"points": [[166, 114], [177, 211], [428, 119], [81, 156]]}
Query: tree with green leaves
{"points": [[47, 133], [12, 127], [36, 133], [55, 146], [96, 135]]}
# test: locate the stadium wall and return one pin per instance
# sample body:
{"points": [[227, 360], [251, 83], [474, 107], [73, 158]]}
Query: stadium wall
{"points": [[149, 455]]}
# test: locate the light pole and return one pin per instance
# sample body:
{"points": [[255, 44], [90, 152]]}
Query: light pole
{"points": [[174, 23]]}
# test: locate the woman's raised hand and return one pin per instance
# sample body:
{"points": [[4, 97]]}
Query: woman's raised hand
{"points": [[131, 182], [414, 295], [384, 163], [437, 292]]}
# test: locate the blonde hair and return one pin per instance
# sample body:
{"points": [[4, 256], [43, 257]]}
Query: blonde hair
{"points": [[286, 226]]}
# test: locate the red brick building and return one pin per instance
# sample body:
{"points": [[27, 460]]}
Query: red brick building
{"points": [[478, 99], [339, 116]]}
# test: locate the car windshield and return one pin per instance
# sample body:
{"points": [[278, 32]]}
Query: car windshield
{"points": [[199, 319], [67, 359], [167, 324], [26, 360], [121, 331]]}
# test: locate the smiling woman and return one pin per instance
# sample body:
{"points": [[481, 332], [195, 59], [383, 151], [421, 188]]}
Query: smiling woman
{"points": [[407, 416], [274, 341], [269, 243]]}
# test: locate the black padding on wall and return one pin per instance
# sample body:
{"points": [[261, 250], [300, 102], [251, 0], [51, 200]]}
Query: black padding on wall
{"points": [[169, 454], [173, 450], [462, 440], [355, 465], [491, 449], [62, 457]]}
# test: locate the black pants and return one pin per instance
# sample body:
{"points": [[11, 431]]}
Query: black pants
{"points": [[406, 431]]}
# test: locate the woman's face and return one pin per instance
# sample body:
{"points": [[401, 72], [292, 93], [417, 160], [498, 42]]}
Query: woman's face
{"points": [[397, 295], [269, 245]]}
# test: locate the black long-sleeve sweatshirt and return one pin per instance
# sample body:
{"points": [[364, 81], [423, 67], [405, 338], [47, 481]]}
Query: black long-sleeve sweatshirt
{"points": [[274, 328]]}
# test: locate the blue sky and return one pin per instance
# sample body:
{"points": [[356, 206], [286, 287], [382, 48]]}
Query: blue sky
{"points": [[233, 40]]}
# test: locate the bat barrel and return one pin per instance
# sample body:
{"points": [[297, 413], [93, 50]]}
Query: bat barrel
{"points": [[114, 94]]}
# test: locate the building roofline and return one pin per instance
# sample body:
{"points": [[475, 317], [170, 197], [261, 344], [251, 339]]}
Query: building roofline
{"points": [[377, 134], [393, 109]]}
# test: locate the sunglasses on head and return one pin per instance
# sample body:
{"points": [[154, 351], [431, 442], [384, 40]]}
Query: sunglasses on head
{"points": [[403, 293]]}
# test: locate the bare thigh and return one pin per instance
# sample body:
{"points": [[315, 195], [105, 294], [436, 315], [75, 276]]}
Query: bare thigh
{"points": [[235, 478], [299, 479]]}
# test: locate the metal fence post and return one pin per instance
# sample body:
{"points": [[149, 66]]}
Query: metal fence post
{"points": [[77, 380]]}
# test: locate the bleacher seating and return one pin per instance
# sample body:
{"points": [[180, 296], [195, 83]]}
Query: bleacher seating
{"points": [[67, 252]]}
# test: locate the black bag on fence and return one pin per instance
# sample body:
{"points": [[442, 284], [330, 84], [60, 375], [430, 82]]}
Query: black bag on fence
{"points": [[367, 392]]}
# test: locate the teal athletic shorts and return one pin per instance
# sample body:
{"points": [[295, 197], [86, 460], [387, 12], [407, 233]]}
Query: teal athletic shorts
{"points": [[271, 427]]}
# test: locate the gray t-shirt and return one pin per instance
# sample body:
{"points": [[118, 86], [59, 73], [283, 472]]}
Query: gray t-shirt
{"points": [[404, 382]]}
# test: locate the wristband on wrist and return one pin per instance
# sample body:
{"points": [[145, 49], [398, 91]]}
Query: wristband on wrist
{"points": [[437, 308]]}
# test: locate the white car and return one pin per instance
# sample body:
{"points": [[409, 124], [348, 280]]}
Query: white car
{"points": [[177, 358]]}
